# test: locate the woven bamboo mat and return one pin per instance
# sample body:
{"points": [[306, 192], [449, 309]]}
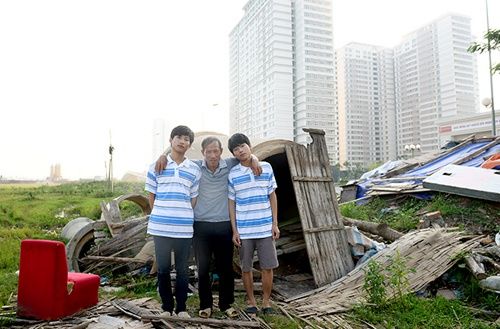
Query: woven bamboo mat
{"points": [[430, 252]]}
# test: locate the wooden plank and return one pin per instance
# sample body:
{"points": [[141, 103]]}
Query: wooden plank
{"points": [[481, 150], [324, 228], [293, 248], [312, 179], [328, 250], [114, 259]]}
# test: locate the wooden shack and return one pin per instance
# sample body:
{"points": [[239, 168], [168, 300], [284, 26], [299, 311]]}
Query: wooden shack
{"points": [[306, 190]]}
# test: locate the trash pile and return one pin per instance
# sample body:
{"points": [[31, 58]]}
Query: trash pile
{"points": [[469, 169], [318, 247]]}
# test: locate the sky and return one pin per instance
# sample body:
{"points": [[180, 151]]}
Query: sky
{"points": [[75, 75]]}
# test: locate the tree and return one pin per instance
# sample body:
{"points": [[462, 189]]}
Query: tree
{"points": [[493, 36]]}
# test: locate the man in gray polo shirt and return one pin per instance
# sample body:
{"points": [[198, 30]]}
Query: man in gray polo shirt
{"points": [[212, 228]]}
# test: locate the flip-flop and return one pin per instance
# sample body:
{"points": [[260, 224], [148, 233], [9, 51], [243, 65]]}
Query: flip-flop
{"points": [[251, 310], [268, 311], [231, 312], [205, 314]]}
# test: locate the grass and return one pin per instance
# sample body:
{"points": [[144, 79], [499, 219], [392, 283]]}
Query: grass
{"points": [[40, 212], [420, 313], [380, 211], [474, 215]]}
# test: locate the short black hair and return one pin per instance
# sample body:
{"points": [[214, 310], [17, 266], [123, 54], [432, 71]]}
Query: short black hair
{"points": [[209, 140], [236, 140], [182, 131]]}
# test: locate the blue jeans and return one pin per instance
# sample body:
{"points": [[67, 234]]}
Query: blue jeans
{"points": [[181, 248]]}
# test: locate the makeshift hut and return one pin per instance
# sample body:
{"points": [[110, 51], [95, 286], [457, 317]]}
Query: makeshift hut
{"points": [[306, 192], [308, 215]]}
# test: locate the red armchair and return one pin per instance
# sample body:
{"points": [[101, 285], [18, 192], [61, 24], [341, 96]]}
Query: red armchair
{"points": [[46, 290]]}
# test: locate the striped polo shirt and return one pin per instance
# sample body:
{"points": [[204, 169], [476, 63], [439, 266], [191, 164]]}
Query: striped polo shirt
{"points": [[172, 214], [254, 218]]}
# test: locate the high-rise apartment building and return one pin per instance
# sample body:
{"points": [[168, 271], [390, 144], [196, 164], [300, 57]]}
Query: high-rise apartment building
{"points": [[392, 98], [282, 71], [435, 78], [366, 104]]}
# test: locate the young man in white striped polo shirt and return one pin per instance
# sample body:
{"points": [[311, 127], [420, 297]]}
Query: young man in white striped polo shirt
{"points": [[253, 211], [172, 196]]}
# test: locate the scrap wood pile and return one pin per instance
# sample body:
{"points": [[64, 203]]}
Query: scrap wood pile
{"points": [[292, 238], [122, 250], [111, 243], [431, 252]]}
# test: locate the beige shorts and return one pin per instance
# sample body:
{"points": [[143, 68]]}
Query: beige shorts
{"points": [[266, 252]]}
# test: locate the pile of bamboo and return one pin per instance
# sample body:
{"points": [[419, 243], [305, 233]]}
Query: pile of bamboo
{"points": [[430, 252]]}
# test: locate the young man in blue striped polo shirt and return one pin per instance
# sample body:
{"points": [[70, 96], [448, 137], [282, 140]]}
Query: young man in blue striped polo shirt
{"points": [[253, 211], [172, 196]]}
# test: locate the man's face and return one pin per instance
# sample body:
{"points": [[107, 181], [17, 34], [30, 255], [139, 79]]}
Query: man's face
{"points": [[180, 143], [242, 152], [212, 153]]}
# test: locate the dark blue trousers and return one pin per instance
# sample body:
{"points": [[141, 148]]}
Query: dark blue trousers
{"points": [[181, 248]]}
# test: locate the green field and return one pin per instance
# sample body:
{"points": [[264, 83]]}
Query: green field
{"points": [[41, 211]]}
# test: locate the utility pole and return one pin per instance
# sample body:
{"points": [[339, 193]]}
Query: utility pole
{"points": [[110, 174], [493, 119]]}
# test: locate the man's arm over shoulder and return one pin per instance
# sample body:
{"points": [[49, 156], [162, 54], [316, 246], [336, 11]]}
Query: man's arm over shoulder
{"points": [[256, 167], [161, 163]]}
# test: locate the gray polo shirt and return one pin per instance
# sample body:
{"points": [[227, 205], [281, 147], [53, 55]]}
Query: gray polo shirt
{"points": [[211, 205]]}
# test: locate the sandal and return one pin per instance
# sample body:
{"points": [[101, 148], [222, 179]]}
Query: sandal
{"points": [[231, 312], [205, 314], [251, 310], [268, 311]]}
